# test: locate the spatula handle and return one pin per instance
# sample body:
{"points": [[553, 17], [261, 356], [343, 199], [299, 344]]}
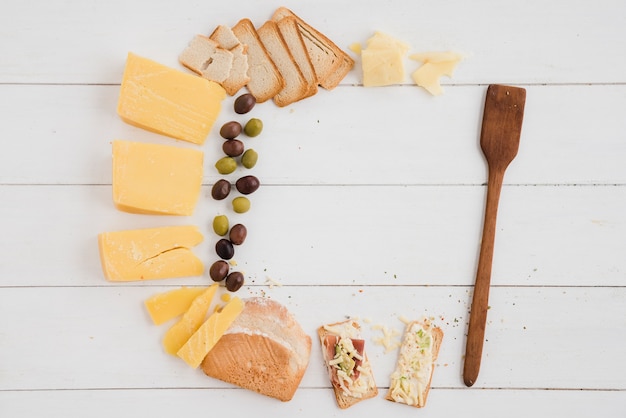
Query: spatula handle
{"points": [[480, 299]]}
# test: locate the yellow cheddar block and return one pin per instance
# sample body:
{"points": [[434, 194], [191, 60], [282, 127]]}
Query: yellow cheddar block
{"points": [[156, 179], [168, 101], [168, 305], [192, 319], [205, 338], [153, 253]]}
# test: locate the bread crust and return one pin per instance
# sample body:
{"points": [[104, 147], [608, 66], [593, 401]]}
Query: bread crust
{"points": [[265, 79], [437, 335], [331, 63], [238, 76], [344, 401], [296, 86], [290, 30], [264, 350]]}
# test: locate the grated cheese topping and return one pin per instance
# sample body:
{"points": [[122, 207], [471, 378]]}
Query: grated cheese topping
{"points": [[414, 368], [343, 362]]}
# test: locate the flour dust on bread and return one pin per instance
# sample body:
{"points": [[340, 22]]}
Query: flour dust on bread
{"points": [[412, 377], [348, 367], [264, 350]]}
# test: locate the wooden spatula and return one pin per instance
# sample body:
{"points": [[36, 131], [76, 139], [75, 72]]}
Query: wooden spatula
{"points": [[499, 140]]}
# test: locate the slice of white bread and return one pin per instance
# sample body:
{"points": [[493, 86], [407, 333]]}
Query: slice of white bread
{"points": [[331, 63], [410, 385], [296, 87], [265, 79], [206, 58], [288, 27], [238, 76], [363, 387], [264, 350], [224, 36]]}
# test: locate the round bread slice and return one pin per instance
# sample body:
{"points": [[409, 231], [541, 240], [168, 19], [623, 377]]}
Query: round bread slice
{"points": [[264, 350]]}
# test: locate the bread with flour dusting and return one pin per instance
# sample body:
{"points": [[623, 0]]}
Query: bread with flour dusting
{"points": [[264, 350]]}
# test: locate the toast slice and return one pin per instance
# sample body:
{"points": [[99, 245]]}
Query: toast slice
{"points": [[224, 36], [411, 380], [348, 367], [288, 27], [296, 86], [265, 79], [238, 76], [264, 350], [331, 63], [205, 57]]}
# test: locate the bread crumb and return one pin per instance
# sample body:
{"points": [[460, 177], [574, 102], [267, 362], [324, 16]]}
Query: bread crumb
{"points": [[272, 282]]}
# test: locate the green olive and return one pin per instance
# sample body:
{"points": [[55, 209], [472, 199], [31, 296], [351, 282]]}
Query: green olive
{"points": [[220, 225], [226, 165], [241, 204], [249, 158], [253, 127]]}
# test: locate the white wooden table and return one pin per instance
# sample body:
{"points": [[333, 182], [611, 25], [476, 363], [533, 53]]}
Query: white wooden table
{"points": [[370, 206]]}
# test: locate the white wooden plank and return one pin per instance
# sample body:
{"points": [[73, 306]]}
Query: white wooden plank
{"points": [[325, 235], [311, 403], [363, 211], [571, 135], [505, 41], [102, 338]]}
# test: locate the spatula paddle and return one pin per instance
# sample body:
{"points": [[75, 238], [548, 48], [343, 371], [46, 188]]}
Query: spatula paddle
{"points": [[499, 141]]}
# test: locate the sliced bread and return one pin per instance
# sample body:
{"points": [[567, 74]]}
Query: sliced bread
{"points": [[206, 58], [224, 36], [288, 27], [265, 79], [238, 76], [331, 63], [296, 87]]}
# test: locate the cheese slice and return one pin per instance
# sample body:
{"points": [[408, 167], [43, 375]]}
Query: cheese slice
{"points": [[205, 338], [168, 101], [436, 65], [156, 179], [168, 305], [382, 40], [382, 67], [192, 319], [153, 253], [383, 61]]}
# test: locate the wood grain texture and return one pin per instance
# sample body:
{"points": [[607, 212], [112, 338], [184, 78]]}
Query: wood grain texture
{"points": [[501, 129], [363, 209]]}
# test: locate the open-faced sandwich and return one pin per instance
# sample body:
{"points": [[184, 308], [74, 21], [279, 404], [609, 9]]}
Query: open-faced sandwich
{"points": [[349, 369], [410, 382]]}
